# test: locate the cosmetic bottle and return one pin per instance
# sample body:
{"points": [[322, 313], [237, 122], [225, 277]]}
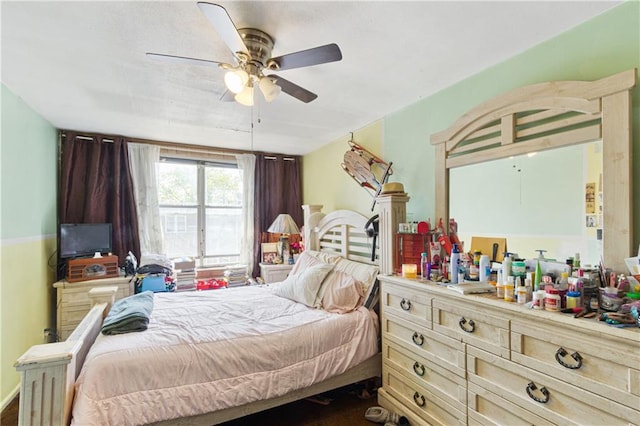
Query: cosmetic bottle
{"points": [[537, 277], [484, 268], [509, 290], [506, 267], [521, 292], [500, 285], [529, 287], [424, 266], [455, 264]]}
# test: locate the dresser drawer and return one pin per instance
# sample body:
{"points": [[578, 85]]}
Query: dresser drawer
{"points": [[429, 375], [472, 324], [427, 405], [390, 403], [73, 315], [559, 402], [604, 366], [79, 296], [76, 296], [408, 303], [487, 408], [426, 343]]}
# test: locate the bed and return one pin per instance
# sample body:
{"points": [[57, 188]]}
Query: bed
{"points": [[214, 373]]}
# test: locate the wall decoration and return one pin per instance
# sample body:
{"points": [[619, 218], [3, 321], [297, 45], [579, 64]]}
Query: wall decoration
{"points": [[590, 198], [270, 253], [367, 169]]}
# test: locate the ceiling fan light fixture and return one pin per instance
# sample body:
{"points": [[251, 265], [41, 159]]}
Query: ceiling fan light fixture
{"points": [[269, 88], [245, 97], [236, 80]]}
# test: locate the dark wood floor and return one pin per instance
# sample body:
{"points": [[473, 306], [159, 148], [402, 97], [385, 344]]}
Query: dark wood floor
{"points": [[347, 408]]}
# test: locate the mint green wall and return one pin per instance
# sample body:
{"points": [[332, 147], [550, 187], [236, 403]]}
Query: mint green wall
{"points": [[605, 45], [28, 153], [602, 46]]}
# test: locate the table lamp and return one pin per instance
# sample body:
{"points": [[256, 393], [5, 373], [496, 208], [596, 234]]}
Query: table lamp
{"points": [[285, 226]]}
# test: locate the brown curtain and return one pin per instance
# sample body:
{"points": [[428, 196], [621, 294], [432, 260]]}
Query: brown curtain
{"points": [[96, 187], [278, 189]]}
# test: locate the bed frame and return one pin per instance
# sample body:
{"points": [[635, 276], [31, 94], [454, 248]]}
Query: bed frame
{"points": [[48, 372]]}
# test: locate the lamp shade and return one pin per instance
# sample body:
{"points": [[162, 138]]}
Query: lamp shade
{"points": [[284, 224], [269, 88], [245, 97], [236, 80]]}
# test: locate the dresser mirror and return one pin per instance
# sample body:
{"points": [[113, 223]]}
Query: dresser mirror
{"points": [[549, 200], [548, 117]]}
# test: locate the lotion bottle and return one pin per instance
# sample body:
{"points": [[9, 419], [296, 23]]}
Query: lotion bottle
{"points": [[485, 268], [506, 267], [537, 278], [455, 264]]}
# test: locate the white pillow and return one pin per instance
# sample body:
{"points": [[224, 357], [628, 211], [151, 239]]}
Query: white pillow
{"points": [[304, 261], [303, 287], [324, 256]]}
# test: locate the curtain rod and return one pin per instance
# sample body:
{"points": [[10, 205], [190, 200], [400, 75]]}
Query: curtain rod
{"points": [[184, 147]]}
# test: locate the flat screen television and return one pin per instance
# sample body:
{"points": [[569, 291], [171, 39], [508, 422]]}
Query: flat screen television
{"points": [[84, 239]]}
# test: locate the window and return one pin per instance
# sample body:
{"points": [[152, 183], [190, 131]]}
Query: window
{"points": [[201, 210]]}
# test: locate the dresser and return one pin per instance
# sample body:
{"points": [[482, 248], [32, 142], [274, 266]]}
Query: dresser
{"points": [[475, 359], [73, 302], [274, 273]]}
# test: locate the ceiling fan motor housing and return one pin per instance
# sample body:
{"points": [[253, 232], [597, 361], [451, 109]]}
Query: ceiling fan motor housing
{"points": [[259, 44]]}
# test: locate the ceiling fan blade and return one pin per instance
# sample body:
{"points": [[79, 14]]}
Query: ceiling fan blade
{"points": [[223, 24], [183, 59], [304, 58], [294, 90], [228, 96]]}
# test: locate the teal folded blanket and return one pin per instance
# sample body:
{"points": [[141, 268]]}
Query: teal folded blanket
{"points": [[129, 314]]}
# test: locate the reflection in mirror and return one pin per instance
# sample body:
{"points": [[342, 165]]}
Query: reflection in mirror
{"points": [[549, 200]]}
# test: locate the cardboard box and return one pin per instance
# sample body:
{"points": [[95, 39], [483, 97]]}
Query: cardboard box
{"points": [[490, 246]]}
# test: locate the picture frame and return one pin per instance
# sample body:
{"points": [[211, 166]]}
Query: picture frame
{"points": [[269, 253]]}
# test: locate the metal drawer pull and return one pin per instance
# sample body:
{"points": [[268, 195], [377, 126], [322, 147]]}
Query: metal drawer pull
{"points": [[561, 353], [472, 325], [418, 369], [405, 304], [419, 400], [532, 387], [418, 339]]}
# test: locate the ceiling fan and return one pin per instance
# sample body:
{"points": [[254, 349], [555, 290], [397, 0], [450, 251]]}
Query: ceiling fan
{"points": [[252, 48]]}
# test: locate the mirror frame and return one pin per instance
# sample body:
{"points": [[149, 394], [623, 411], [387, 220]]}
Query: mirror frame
{"points": [[546, 116]]}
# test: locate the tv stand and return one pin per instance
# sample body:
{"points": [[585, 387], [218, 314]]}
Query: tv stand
{"points": [[73, 301]]}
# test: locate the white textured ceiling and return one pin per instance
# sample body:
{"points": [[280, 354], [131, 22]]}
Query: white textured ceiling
{"points": [[82, 65]]}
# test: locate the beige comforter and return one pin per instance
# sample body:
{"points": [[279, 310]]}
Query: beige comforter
{"points": [[205, 351]]}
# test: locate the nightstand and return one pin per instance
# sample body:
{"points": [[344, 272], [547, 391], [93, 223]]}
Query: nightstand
{"points": [[272, 273], [73, 301]]}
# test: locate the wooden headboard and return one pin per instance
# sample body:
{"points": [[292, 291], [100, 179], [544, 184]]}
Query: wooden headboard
{"points": [[341, 232], [551, 115]]}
